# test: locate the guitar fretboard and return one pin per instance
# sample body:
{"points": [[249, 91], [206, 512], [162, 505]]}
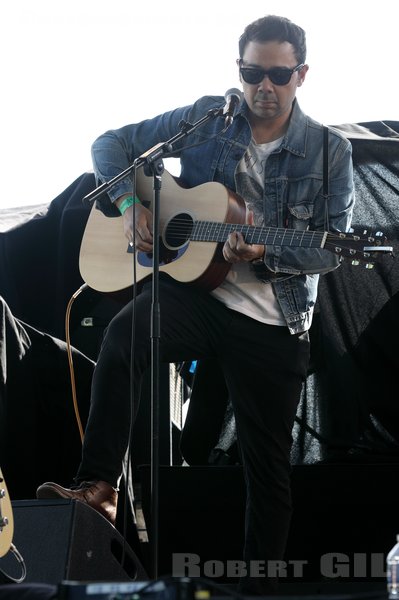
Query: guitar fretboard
{"points": [[211, 231]]}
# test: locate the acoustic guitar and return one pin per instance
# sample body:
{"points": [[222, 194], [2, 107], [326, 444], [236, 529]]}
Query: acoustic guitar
{"points": [[194, 224]]}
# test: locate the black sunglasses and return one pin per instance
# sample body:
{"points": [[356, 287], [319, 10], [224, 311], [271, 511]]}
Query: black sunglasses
{"points": [[277, 75]]}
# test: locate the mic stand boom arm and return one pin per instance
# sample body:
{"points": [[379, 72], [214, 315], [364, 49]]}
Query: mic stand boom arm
{"points": [[152, 160]]}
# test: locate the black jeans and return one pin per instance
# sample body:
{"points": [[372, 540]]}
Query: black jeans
{"points": [[264, 367]]}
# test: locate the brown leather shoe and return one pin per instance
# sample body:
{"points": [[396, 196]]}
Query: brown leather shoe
{"points": [[100, 495]]}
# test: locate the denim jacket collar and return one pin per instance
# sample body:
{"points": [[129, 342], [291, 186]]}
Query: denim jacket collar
{"points": [[295, 139]]}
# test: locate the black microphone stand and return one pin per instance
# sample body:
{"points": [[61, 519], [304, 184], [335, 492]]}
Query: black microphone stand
{"points": [[152, 161]]}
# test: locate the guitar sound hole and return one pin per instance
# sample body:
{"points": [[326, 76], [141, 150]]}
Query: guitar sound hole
{"points": [[178, 231]]}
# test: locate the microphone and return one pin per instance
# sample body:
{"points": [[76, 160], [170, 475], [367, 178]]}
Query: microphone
{"points": [[233, 97]]}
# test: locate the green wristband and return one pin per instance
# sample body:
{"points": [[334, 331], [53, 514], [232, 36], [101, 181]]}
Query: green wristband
{"points": [[128, 201]]}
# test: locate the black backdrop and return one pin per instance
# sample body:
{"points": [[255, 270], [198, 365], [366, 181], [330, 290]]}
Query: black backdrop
{"points": [[349, 408], [351, 395]]}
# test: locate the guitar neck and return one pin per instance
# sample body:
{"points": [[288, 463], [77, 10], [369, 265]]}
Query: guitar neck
{"points": [[210, 231]]}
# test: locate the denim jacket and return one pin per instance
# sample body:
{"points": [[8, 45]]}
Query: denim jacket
{"points": [[293, 186]]}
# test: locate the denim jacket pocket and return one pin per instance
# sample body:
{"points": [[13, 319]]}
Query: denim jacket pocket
{"points": [[300, 216]]}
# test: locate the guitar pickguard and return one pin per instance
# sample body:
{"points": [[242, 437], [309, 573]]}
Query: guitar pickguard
{"points": [[166, 256]]}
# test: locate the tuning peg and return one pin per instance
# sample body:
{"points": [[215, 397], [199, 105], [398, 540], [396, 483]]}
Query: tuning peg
{"points": [[369, 266], [355, 263]]}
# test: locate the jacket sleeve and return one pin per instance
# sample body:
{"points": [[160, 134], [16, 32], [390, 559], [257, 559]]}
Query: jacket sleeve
{"points": [[115, 151]]}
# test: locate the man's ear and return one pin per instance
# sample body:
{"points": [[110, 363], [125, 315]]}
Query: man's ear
{"points": [[302, 75], [238, 65]]}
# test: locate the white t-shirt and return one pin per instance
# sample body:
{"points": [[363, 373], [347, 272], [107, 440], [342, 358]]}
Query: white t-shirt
{"points": [[241, 290]]}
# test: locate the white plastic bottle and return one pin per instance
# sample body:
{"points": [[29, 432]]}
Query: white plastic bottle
{"points": [[393, 571]]}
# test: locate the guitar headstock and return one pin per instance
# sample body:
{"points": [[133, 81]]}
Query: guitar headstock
{"points": [[367, 248]]}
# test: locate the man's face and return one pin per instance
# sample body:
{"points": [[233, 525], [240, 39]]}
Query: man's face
{"points": [[267, 100]]}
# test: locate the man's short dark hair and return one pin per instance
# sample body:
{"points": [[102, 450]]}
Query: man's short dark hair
{"points": [[275, 29]]}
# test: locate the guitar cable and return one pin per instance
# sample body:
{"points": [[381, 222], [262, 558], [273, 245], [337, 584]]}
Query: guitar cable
{"points": [[14, 551], [70, 359]]}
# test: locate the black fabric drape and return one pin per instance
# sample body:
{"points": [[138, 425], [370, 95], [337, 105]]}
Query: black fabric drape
{"points": [[39, 436], [350, 398], [39, 258]]}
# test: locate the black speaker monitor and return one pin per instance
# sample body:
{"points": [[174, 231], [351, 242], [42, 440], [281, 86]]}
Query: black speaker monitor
{"points": [[66, 539]]}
